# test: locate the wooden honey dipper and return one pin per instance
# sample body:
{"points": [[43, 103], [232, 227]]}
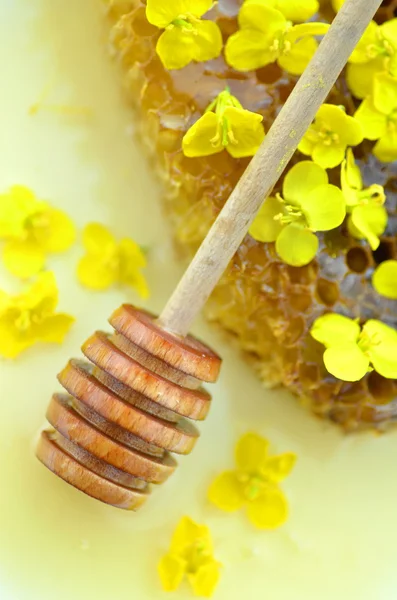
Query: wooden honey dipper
{"points": [[130, 407]]}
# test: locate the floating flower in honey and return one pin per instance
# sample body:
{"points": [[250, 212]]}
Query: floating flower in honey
{"points": [[352, 351], [266, 36], [108, 262], [378, 117], [327, 138], [31, 229], [376, 52], [225, 125], [309, 203], [367, 215], [384, 279], [254, 483], [190, 555], [30, 317], [295, 10], [186, 37]]}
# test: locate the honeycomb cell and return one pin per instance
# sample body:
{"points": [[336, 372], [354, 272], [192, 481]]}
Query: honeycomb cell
{"points": [[263, 304]]}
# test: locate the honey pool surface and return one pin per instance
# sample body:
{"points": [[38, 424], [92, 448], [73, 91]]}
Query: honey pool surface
{"points": [[339, 541]]}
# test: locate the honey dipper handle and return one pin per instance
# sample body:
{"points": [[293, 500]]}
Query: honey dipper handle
{"points": [[268, 164]]}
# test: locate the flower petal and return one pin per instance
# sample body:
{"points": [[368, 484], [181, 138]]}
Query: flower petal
{"points": [[307, 30], [53, 329], [171, 570], [94, 274], [187, 532], [351, 180], [328, 157], [265, 227], [205, 579], [162, 13], [296, 10], [259, 16], [306, 146], [204, 138], [389, 30], [301, 179], [176, 48], [225, 492], [373, 123], [298, 57], [331, 328], [98, 240], [386, 148], [346, 362], [360, 77], [324, 207], [384, 279], [247, 130], [383, 349], [385, 93], [279, 467], [368, 221], [12, 342], [23, 258], [208, 41], [268, 511], [58, 234], [248, 49], [251, 452], [296, 246]]}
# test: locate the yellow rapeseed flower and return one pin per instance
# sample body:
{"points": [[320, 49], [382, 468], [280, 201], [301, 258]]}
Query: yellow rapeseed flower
{"points": [[327, 138], [190, 555], [266, 36], [352, 351], [377, 115], [31, 229], [108, 262], [254, 483], [367, 215], [384, 279], [186, 37], [28, 318], [309, 203], [295, 10], [375, 52], [225, 125]]}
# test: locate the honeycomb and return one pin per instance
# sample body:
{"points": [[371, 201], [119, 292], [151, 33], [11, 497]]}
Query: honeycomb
{"points": [[266, 305]]}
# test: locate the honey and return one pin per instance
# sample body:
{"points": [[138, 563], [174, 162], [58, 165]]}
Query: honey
{"points": [[265, 304]]}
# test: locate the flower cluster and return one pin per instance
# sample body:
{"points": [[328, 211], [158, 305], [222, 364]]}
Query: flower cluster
{"points": [[308, 204], [254, 483], [225, 125], [352, 351], [30, 317]]}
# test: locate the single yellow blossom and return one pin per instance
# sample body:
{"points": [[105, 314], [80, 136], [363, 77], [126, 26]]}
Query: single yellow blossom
{"points": [[376, 52], [327, 138], [254, 483], [186, 37], [190, 555], [384, 279], [295, 10], [108, 262], [266, 36], [367, 215], [31, 229], [225, 125], [352, 351], [377, 115], [30, 317], [309, 203]]}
